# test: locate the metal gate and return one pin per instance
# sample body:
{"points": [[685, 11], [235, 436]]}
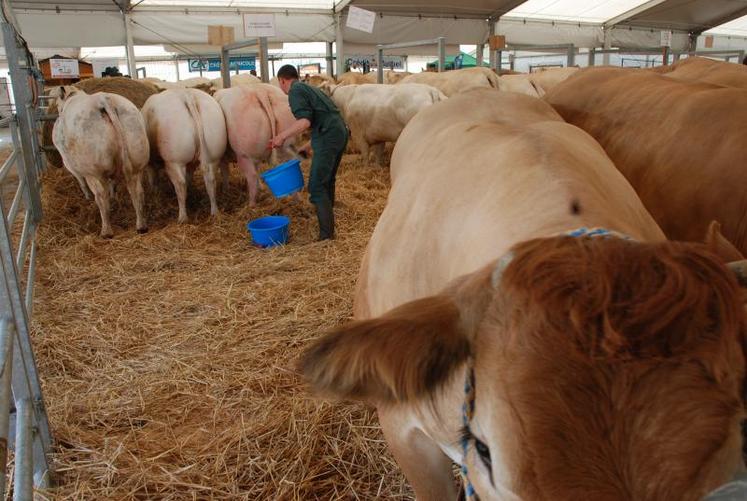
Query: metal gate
{"points": [[24, 428]]}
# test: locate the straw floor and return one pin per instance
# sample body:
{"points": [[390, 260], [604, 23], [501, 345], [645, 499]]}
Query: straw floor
{"points": [[168, 358]]}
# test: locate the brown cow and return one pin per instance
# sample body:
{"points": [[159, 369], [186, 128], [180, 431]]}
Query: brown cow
{"points": [[680, 145], [597, 368], [700, 69]]}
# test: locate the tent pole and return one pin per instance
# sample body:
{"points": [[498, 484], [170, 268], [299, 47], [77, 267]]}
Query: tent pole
{"points": [[339, 46], [330, 60], [607, 45], [129, 47]]}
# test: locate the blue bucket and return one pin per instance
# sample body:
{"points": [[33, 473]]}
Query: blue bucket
{"points": [[284, 179], [269, 231]]}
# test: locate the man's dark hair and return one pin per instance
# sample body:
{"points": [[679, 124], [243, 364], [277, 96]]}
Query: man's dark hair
{"points": [[288, 71]]}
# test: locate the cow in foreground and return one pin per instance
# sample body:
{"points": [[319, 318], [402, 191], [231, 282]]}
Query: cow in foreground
{"points": [[455, 81], [101, 138], [255, 114], [550, 366], [376, 114], [186, 129], [681, 145]]}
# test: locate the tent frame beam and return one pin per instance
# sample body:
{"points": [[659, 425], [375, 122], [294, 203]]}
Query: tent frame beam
{"points": [[632, 12]]}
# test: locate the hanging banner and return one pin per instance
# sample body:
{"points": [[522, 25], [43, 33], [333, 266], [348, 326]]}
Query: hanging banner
{"points": [[64, 68], [240, 63], [259, 25], [360, 19]]}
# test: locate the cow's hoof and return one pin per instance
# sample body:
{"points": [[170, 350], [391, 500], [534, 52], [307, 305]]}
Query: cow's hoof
{"points": [[142, 230], [108, 236]]}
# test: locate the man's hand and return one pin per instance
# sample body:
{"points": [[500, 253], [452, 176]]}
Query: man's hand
{"points": [[275, 142]]}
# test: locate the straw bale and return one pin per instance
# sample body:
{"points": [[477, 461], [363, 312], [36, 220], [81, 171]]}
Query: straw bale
{"points": [[136, 91], [167, 359]]}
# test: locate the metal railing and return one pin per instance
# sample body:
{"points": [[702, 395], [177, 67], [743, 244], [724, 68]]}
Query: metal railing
{"points": [[24, 428], [440, 42]]}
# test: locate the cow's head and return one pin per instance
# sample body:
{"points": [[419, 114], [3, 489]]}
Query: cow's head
{"points": [[602, 367], [63, 94]]}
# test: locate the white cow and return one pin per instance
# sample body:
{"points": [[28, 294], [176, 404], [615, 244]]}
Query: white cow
{"points": [[455, 81], [186, 128], [100, 138], [236, 80], [376, 114], [535, 84], [255, 114]]}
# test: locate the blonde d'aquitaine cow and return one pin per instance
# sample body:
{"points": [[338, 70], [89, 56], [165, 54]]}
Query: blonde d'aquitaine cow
{"points": [[455, 81], [376, 114], [497, 330], [703, 70], [679, 144], [535, 84], [255, 114], [101, 138], [186, 129]]}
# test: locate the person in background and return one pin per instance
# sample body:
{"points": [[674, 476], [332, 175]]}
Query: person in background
{"points": [[329, 136]]}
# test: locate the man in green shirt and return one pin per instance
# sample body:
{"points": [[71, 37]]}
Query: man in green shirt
{"points": [[329, 136]]}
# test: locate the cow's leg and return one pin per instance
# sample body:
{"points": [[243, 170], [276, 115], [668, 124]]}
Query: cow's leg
{"points": [[101, 195], [224, 174], [178, 175], [208, 174], [150, 172], [424, 464], [379, 152], [363, 147], [83, 186], [249, 169], [137, 195], [189, 174]]}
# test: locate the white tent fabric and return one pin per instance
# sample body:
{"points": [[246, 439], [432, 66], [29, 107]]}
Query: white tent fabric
{"points": [[738, 27], [586, 11]]}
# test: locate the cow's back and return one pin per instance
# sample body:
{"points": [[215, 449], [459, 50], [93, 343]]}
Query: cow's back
{"points": [[700, 69], [476, 174], [680, 145]]}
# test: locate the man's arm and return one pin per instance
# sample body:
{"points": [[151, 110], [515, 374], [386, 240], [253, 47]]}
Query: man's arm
{"points": [[298, 127]]}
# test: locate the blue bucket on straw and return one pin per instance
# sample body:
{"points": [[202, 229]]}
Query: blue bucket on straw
{"points": [[269, 231], [284, 179]]}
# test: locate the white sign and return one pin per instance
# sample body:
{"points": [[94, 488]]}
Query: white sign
{"points": [[100, 65], [259, 25], [360, 19], [64, 68], [666, 38]]}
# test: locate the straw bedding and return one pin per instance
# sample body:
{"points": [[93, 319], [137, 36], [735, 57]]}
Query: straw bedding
{"points": [[168, 358]]}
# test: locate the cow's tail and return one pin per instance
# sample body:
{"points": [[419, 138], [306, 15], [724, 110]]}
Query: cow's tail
{"points": [[191, 102], [264, 102], [111, 111]]}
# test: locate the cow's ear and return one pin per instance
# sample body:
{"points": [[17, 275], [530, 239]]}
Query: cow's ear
{"points": [[402, 355], [719, 245]]}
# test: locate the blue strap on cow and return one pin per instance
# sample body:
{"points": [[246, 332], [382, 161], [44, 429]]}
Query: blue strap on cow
{"points": [[468, 410], [468, 407]]}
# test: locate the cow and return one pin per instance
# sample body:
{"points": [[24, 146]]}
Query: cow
{"points": [[186, 129], [236, 80], [255, 114], [549, 365], [452, 82], [200, 83], [681, 145], [319, 79], [355, 78], [101, 138], [376, 114], [700, 69], [535, 84]]}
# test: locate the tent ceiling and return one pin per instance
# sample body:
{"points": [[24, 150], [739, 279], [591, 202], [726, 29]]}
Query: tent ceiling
{"points": [[588, 11], [481, 9], [89, 5], [738, 27], [688, 15]]}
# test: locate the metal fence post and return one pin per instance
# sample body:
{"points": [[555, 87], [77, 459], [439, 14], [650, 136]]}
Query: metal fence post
{"points": [[23, 487], [225, 70], [6, 352], [592, 56], [264, 66], [380, 64], [441, 54], [571, 55]]}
